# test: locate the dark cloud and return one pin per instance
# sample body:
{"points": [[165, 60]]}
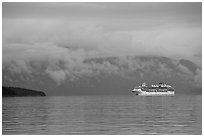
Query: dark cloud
{"points": [[67, 42], [127, 15]]}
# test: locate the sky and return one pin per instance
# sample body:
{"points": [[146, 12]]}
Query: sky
{"points": [[53, 40]]}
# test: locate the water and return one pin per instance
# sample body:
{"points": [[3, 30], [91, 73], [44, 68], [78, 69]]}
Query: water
{"points": [[102, 115]]}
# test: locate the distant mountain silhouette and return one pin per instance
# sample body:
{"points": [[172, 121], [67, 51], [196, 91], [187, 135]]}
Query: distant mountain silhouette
{"points": [[190, 65], [15, 91], [117, 76]]}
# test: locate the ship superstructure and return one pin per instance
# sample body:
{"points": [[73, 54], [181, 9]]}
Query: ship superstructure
{"points": [[160, 89]]}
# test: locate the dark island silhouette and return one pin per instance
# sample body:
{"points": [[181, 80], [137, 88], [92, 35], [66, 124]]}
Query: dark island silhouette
{"points": [[20, 92]]}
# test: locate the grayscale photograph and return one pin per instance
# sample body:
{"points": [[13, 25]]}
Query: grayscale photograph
{"points": [[101, 68]]}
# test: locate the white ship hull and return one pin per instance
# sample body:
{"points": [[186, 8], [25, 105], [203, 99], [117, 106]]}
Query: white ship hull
{"points": [[145, 93]]}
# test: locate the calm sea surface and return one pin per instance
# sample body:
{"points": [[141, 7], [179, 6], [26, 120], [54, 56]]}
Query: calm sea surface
{"points": [[102, 115]]}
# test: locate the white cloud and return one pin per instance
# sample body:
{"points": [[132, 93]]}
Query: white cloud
{"points": [[58, 76], [59, 47], [165, 40]]}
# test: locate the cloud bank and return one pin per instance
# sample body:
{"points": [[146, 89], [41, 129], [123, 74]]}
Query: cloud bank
{"points": [[69, 44]]}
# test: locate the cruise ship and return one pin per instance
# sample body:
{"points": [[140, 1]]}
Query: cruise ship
{"points": [[154, 90]]}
